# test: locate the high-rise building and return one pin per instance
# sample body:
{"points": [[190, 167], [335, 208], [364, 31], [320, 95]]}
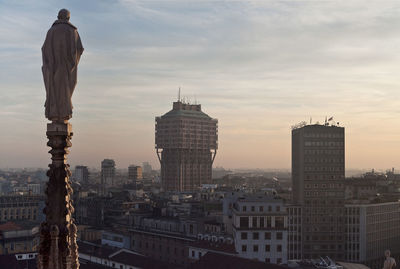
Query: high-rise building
{"points": [[186, 145], [147, 168], [107, 174], [81, 173], [134, 174], [318, 187]]}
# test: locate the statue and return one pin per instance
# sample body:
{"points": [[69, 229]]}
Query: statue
{"points": [[61, 52], [389, 262]]}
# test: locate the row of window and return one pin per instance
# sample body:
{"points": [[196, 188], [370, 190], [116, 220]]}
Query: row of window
{"points": [[323, 143], [323, 151], [259, 222], [261, 208], [267, 248], [324, 135], [323, 168], [256, 236]]}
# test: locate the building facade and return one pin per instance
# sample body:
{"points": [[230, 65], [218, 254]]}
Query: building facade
{"points": [[134, 173], [371, 228], [107, 174], [294, 232], [21, 207], [318, 154], [18, 237], [186, 145], [260, 228], [81, 173]]}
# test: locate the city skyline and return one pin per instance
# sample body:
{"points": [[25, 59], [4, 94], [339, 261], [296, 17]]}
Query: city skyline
{"points": [[256, 76]]}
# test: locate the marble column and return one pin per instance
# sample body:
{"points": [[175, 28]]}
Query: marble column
{"points": [[58, 248]]}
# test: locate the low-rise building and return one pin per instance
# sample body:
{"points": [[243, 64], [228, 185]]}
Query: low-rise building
{"points": [[18, 237], [260, 228], [371, 228]]}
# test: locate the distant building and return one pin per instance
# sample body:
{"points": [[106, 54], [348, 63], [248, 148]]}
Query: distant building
{"points": [[107, 174], [147, 168], [17, 237], [294, 232], [134, 173], [81, 174], [165, 239], [318, 186], [34, 188], [260, 228], [21, 208], [186, 145], [371, 229]]}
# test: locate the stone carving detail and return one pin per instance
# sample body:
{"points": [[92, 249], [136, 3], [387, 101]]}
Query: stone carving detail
{"points": [[58, 248]]}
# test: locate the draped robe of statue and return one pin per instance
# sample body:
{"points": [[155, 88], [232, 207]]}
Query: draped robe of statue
{"points": [[61, 52]]}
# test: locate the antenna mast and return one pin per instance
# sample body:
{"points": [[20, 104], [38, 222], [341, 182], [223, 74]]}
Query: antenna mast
{"points": [[179, 94]]}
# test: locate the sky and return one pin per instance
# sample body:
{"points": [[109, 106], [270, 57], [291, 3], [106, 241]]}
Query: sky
{"points": [[259, 67]]}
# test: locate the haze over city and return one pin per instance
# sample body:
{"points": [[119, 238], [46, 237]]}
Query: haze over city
{"points": [[257, 67]]}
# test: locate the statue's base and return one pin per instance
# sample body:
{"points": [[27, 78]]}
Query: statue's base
{"points": [[58, 248], [60, 128]]}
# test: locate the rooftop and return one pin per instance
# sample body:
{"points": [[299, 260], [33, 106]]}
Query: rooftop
{"points": [[186, 110]]}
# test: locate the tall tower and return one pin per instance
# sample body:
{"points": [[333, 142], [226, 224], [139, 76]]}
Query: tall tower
{"points": [[81, 174], [318, 172], [107, 174], [134, 174], [186, 145]]}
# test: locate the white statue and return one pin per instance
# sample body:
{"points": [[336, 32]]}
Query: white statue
{"points": [[61, 52]]}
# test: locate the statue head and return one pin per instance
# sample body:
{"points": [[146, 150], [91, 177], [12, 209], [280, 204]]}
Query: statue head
{"points": [[64, 14], [387, 253]]}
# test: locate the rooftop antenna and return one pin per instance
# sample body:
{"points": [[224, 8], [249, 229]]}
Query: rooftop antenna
{"points": [[310, 120], [179, 94]]}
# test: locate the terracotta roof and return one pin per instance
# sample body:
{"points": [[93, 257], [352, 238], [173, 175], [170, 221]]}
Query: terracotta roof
{"points": [[100, 251], [221, 261], [140, 261], [214, 246], [9, 226]]}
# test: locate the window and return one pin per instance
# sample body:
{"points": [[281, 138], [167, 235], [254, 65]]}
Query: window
{"points": [[255, 236], [279, 236], [192, 253], [267, 248], [254, 222], [279, 248], [255, 248], [244, 222], [267, 236], [244, 248], [261, 208], [267, 260], [262, 222], [243, 236], [279, 260], [278, 208], [244, 209], [121, 267], [253, 208], [269, 225], [279, 222]]}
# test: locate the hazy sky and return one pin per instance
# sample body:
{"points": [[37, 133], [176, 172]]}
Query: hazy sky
{"points": [[257, 66]]}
